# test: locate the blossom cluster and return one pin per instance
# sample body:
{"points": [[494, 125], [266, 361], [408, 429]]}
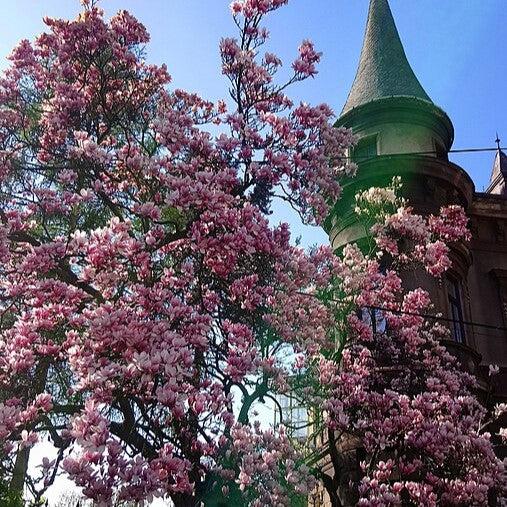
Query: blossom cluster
{"points": [[142, 285], [410, 238], [270, 469]]}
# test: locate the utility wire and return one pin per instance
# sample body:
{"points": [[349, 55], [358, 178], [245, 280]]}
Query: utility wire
{"points": [[472, 150], [433, 152], [415, 314], [437, 317]]}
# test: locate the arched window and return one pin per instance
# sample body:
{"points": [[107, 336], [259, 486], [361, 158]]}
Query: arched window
{"points": [[456, 309], [365, 149]]}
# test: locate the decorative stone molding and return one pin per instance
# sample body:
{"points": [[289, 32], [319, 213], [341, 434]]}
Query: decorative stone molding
{"points": [[500, 231], [500, 276], [402, 110]]}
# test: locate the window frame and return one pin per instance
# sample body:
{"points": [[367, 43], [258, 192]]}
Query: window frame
{"points": [[367, 141], [440, 151], [456, 308], [295, 415]]}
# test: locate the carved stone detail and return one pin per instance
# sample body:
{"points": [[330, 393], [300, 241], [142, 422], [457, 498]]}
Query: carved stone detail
{"points": [[501, 277], [499, 231]]}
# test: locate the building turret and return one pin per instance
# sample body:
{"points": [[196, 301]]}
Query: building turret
{"points": [[399, 131], [387, 107]]}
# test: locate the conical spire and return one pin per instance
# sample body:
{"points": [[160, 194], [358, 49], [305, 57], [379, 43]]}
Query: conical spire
{"points": [[500, 165], [497, 182], [383, 69]]}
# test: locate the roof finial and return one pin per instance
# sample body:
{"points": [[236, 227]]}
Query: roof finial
{"points": [[497, 141]]}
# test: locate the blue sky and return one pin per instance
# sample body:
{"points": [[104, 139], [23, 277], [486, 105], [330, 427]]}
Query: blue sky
{"points": [[454, 46]]}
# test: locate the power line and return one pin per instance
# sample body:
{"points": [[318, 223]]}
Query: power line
{"points": [[422, 315], [433, 152], [473, 150], [438, 317]]}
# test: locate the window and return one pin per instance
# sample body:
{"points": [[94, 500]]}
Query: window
{"points": [[440, 151], [365, 149], [454, 295], [294, 416]]}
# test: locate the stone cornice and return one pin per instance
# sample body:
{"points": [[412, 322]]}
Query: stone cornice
{"points": [[409, 110], [489, 206]]}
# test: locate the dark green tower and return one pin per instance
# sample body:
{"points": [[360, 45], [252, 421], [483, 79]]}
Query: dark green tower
{"points": [[400, 131]]}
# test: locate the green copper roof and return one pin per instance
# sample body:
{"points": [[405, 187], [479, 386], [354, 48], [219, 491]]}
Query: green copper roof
{"points": [[383, 70]]}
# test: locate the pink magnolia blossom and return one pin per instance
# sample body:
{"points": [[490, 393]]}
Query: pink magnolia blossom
{"points": [[397, 394]]}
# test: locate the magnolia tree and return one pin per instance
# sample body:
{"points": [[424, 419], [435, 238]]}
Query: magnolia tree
{"points": [[147, 303], [145, 298]]}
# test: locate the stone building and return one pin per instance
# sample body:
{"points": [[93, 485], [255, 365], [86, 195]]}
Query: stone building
{"points": [[402, 132]]}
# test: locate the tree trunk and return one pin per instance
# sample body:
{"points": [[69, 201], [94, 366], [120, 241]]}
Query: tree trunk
{"points": [[17, 483]]}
